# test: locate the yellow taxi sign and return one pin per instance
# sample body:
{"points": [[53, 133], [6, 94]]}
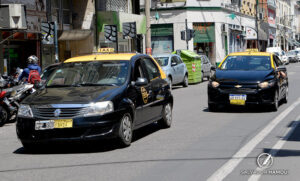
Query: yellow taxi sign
{"points": [[252, 50], [106, 50]]}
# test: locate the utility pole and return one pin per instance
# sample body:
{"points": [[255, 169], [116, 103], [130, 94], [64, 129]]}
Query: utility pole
{"points": [[148, 26], [186, 32]]}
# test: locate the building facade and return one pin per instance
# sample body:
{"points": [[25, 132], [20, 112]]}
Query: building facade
{"points": [[220, 27], [283, 20]]}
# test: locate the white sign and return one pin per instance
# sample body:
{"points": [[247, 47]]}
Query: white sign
{"points": [[251, 34]]}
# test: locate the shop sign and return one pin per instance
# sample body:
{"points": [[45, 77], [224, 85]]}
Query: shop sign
{"points": [[251, 34], [204, 32]]}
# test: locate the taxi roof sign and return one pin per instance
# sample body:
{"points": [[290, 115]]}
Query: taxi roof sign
{"points": [[106, 50], [252, 50]]}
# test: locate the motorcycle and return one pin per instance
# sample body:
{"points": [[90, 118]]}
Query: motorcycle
{"points": [[10, 99]]}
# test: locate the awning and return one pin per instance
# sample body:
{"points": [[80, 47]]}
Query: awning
{"points": [[291, 42], [74, 35]]}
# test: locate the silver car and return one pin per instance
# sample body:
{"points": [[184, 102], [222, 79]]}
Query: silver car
{"points": [[205, 67], [174, 69]]}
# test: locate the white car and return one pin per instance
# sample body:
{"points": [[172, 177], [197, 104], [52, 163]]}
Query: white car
{"points": [[280, 53]]}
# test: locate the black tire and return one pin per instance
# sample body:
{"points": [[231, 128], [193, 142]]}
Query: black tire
{"points": [[3, 116], [212, 107], [166, 120], [274, 106], [208, 77], [286, 97], [202, 76], [125, 130], [185, 82]]}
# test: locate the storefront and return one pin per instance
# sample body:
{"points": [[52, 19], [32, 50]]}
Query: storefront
{"points": [[18, 48], [204, 40], [162, 40], [251, 38]]}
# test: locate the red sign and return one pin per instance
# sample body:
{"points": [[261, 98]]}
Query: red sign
{"points": [[194, 67], [148, 51]]}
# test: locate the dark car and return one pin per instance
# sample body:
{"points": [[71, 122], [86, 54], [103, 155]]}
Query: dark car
{"points": [[94, 97], [248, 78]]}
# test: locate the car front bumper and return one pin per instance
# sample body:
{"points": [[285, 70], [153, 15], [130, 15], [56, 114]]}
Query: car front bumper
{"points": [[84, 128], [254, 96]]}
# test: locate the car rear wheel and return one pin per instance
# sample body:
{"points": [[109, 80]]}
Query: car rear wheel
{"points": [[202, 74], [285, 99], [185, 81], [166, 120], [125, 130], [274, 106]]}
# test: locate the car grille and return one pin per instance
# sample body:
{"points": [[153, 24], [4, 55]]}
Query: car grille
{"points": [[64, 112]]}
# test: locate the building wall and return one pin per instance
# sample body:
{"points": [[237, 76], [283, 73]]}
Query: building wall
{"points": [[248, 7]]}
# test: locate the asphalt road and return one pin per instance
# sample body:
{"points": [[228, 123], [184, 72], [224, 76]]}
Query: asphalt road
{"points": [[200, 145]]}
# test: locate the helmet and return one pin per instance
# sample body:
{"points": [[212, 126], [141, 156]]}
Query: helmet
{"points": [[33, 59]]}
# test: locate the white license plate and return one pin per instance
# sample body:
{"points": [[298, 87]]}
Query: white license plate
{"points": [[51, 124], [42, 125], [237, 97]]}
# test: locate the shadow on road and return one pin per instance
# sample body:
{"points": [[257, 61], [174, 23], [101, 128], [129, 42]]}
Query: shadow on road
{"points": [[89, 146], [241, 109], [283, 152]]}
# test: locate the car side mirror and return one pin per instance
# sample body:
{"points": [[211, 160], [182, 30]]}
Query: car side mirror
{"points": [[173, 64], [141, 81], [213, 68], [281, 68]]}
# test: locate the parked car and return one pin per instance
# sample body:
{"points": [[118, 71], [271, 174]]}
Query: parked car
{"points": [[292, 56], [246, 78], [96, 96], [174, 68], [280, 53], [205, 66]]}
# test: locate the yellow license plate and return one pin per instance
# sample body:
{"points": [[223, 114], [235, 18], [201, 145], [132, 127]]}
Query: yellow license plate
{"points": [[238, 102], [63, 123]]}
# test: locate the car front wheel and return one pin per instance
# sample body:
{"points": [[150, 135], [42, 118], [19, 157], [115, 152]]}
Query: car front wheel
{"points": [[125, 130], [274, 106]]}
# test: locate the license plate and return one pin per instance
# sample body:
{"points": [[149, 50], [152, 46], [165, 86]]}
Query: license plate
{"points": [[51, 124], [238, 99]]}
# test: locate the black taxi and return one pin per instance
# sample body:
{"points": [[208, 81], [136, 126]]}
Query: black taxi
{"points": [[96, 96], [246, 78]]}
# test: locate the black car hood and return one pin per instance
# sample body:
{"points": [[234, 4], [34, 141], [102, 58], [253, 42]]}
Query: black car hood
{"points": [[71, 95], [243, 76]]}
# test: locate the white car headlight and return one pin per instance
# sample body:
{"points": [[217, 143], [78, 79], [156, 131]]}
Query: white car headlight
{"points": [[25, 111], [99, 108], [266, 84], [215, 84]]}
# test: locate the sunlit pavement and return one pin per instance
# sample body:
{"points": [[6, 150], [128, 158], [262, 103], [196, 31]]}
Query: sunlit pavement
{"points": [[198, 146]]}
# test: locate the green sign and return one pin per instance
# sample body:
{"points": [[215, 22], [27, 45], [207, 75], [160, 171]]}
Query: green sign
{"points": [[204, 32], [118, 18], [162, 30]]}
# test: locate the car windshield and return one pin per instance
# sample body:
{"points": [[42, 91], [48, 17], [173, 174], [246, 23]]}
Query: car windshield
{"points": [[47, 72], [246, 63], [93, 73], [163, 61], [291, 53]]}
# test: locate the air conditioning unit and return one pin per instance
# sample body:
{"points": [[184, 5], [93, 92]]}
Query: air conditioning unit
{"points": [[12, 16]]}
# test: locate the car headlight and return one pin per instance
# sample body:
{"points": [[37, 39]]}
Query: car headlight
{"points": [[99, 108], [266, 84], [214, 84], [25, 111]]}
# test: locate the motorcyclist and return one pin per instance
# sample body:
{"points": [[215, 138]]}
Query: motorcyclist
{"points": [[32, 65]]}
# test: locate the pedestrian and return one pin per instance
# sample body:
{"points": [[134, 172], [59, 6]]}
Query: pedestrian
{"points": [[32, 72]]}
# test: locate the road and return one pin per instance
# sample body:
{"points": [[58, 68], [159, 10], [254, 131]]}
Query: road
{"points": [[200, 145]]}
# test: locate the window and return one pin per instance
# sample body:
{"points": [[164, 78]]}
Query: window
{"points": [[178, 60], [151, 69], [276, 61], [260, 63], [173, 60]]}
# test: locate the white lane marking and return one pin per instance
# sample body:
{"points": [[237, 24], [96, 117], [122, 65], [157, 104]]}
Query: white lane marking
{"points": [[278, 146], [231, 164]]}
